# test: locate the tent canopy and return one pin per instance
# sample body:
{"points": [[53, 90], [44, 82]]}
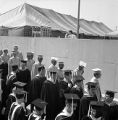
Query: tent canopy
{"points": [[26, 14]]}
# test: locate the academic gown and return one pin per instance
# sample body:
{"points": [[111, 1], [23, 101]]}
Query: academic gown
{"points": [[111, 111], [63, 88], [64, 116], [35, 87], [24, 76], [16, 112], [79, 93], [50, 94], [33, 116], [84, 105], [9, 101]]}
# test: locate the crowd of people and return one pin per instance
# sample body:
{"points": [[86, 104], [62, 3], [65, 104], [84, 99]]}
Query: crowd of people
{"points": [[29, 91]]}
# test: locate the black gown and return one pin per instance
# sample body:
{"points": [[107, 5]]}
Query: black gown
{"points": [[35, 87], [50, 94], [19, 112], [32, 116], [84, 105], [65, 117], [111, 112], [9, 101], [25, 77]]}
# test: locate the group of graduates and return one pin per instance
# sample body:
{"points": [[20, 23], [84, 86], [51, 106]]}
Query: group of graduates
{"points": [[29, 91]]}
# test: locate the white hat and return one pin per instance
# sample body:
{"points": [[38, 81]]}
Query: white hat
{"points": [[96, 69], [54, 58], [82, 63]]}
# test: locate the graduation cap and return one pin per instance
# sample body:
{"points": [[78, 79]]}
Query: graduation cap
{"points": [[20, 93], [97, 70], [19, 84], [54, 58], [82, 64], [70, 96], [30, 53], [67, 72], [39, 104], [110, 92], [61, 63], [24, 61], [96, 104]]}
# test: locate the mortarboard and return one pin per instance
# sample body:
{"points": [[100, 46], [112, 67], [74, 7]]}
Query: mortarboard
{"points": [[97, 70], [95, 104], [61, 62], [19, 84], [67, 72], [24, 61], [110, 92], [39, 104], [54, 58], [70, 96], [83, 64], [30, 53]]}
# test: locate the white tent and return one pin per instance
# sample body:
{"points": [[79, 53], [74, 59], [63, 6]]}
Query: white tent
{"points": [[34, 16]]}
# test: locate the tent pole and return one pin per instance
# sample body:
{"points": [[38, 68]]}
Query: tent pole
{"points": [[78, 23]]}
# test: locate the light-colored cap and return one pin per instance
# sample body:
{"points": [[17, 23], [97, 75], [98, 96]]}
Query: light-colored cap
{"points": [[97, 70], [82, 63], [54, 58], [30, 53], [61, 62]]}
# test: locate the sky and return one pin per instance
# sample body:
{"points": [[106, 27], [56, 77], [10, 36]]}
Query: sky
{"points": [[93, 10]]}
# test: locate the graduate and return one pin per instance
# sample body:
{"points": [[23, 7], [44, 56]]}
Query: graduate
{"points": [[50, 94], [86, 99], [68, 113], [17, 109], [12, 97], [38, 111], [110, 106], [65, 86], [24, 75], [95, 111], [37, 83], [79, 91]]}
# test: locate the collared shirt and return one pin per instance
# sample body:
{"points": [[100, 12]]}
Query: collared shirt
{"points": [[30, 64], [5, 58], [35, 69]]}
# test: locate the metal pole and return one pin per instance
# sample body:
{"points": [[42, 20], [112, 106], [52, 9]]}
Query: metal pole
{"points": [[78, 25]]}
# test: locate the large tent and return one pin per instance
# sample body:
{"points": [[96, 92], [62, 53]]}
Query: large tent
{"points": [[28, 15]]}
